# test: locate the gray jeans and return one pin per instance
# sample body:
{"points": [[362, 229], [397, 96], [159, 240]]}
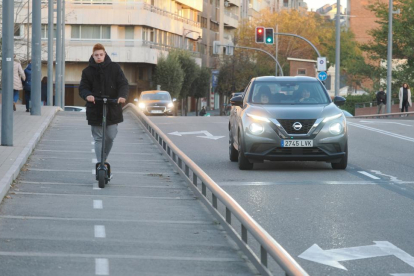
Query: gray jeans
{"points": [[380, 108], [110, 133]]}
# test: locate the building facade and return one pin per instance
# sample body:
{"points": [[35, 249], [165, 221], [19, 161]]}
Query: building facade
{"points": [[134, 33]]}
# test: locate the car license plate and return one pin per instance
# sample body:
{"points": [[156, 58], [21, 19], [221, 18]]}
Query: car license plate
{"points": [[297, 143], [156, 111]]}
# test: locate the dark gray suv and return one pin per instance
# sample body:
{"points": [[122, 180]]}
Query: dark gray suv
{"points": [[287, 119]]}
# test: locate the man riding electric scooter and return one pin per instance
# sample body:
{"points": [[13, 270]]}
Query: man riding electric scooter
{"points": [[102, 83]]}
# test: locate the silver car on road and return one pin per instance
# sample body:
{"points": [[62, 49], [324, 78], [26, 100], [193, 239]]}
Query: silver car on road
{"points": [[287, 119]]}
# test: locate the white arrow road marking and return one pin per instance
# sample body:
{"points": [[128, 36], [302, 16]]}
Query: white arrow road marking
{"points": [[207, 134], [392, 178], [369, 175], [334, 256]]}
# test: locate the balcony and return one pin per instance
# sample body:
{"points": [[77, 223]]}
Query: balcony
{"points": [[231, 20]]}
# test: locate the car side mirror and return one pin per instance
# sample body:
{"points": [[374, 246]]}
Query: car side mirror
{"points": [[338, 100], [237, 101], [174, 99]]}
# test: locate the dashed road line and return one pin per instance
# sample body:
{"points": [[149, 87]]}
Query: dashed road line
{"points": [[97, 204], [100, 231], [101, 266]]}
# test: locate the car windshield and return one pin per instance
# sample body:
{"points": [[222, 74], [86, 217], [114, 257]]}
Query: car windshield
{"points": [[288, 93], [163, 96]]}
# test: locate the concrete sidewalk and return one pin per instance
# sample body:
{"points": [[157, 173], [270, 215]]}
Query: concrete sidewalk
{"points": [[56, 221], [27, 131]]}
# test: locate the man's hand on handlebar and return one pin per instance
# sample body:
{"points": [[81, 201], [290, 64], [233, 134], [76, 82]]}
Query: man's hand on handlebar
{"points": [[91, 99], [121, 100]]}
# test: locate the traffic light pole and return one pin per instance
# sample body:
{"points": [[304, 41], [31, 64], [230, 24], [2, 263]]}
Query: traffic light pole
{"points": [[301, 37], [256, 49]]}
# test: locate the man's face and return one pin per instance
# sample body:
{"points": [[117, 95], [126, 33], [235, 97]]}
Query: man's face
{"points": [[99, 56]]}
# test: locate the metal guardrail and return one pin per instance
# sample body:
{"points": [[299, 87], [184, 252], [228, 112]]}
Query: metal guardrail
{"points": [[195, 176]]}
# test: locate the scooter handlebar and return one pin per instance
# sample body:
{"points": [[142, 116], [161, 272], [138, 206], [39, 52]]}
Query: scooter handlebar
{"points": [[108, 100]]}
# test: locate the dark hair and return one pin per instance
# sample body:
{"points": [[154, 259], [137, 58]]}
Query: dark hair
{"points": [[408, 87], [44, 80]]}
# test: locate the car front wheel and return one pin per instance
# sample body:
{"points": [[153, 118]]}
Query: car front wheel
{"points": [[343, 163], [244, 163]]}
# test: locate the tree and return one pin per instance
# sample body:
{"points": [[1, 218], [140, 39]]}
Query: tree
{"points": [[403, 41], [201, 85], [188, 66], [169, 75]]}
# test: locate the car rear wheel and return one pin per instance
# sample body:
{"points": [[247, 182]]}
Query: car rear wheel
{"points": [[233, 153], [343, 163], [244, 163]]}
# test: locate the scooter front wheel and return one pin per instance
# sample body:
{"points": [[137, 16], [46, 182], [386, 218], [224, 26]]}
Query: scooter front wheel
{"points": [[101, 178]]}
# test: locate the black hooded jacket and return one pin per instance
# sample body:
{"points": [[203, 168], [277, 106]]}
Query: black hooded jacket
{"points": [[103, 79]]}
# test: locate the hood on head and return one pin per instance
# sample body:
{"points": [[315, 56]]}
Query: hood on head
{"points": [[103, 64]]}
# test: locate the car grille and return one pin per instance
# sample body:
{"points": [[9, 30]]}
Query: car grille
{"points": [[287, 124], [297, 151]]}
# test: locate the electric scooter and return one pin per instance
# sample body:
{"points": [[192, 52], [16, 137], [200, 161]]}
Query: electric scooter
{"points": [[103, 169]]}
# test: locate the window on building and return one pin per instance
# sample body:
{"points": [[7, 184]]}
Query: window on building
{"points": [[91, 32], [214, 26], [18, 31], [203, 22], [45, 31], [286, 3], [301, 72]]}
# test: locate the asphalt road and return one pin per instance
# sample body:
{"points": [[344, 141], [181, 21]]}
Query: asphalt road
{"points": [[305, 204]]}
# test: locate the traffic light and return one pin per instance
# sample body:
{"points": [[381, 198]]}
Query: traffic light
{"points": [[260, 34], [269, 35]]}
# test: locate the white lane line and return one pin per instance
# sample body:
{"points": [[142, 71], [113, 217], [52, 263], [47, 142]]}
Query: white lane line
{"points": [[93, 143], [369, 175], [384, 123], [93, 150], [100, 231], [101, 266], [97, 204], [383, 132], [93, 172], [94, 160]]}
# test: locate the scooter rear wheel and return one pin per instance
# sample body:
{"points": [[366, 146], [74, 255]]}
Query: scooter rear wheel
{"points": [[101, 178]]}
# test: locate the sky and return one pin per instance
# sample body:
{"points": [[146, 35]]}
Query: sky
{"points": [[316, 4]]}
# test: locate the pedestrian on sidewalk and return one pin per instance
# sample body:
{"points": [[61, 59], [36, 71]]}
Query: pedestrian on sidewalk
{"points": [[18, 78], [44, 91], [27, 85], [202, 111], [381, 100], [405, 97], [101, 78]]}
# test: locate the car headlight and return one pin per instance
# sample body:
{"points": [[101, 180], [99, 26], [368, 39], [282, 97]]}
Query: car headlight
{"points": [[256, 128], [327, 119], [258, 118], [141, 105], [170, 105], [335, 128]]}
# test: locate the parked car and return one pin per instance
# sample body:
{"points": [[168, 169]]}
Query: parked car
{"points": [[75, 108], [287, 119], [156, 102]]}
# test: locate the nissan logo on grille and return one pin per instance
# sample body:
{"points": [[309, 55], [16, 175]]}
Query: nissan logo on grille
{"points": [[297, 126]]}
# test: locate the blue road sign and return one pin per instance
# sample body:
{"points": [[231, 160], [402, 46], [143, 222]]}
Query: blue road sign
{"points": [[322, 76]]}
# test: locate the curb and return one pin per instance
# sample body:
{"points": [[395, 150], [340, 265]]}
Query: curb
{"points": [[14, 170]]}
